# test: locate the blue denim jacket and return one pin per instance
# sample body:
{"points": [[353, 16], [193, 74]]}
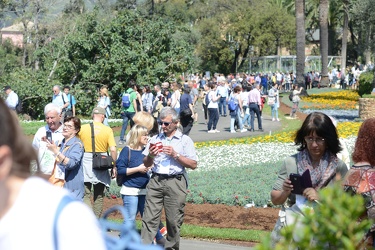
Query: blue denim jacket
{"points": [[74, 169]]}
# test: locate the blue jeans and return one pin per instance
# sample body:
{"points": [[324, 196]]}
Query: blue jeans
{"points": [[134, 204], [213, 118], [246, 118], [127, 116], [223, 106], [274, 111], [233, 116]]}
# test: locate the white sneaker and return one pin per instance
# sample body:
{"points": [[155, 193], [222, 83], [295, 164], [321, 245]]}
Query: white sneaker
{"points": [[273, 119], [278, 119], [243, 130], [233, 131], [217, 131], [211, 131]]}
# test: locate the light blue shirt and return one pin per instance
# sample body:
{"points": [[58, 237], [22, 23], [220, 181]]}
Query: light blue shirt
{"points": [[73, 101], [222, 91], [58, 99], [182, 144]]}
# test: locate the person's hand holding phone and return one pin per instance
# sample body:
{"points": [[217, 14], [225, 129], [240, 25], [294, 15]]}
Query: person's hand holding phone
{"points": [[287, 186], [155, 149]]}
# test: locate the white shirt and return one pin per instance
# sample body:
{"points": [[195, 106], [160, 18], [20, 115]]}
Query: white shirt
{"points": [[45, 156], [29, 223], [12, 100]]}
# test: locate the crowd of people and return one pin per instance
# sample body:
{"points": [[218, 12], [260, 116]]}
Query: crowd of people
{"points": [[158, 151]]}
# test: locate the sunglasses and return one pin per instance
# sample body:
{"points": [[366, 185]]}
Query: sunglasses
{"points": [[164, 123]]}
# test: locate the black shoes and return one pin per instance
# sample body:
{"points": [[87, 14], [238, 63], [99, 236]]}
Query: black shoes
{"points": [[261, 130]]}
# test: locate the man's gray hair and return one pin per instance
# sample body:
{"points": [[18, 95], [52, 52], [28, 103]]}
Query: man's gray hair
{"points": [[256, 85], [57, 86], [168, 111], [50, 107], [157, 87]]}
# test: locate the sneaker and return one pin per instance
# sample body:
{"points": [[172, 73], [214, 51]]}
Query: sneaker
{"points": [[211, 131], [277, 119], [243, 130], [233, 131], [273, 119], [163, 231], [121, 142], [217, 131]]}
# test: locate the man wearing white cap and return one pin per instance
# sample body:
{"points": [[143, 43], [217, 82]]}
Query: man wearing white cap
{"points": [[94, 179]]}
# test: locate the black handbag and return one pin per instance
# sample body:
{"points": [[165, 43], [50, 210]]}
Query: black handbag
{"points": [[99, 161]]}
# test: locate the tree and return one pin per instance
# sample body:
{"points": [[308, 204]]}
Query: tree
{"points": [[323, 20], [111, 50], [300, 37]]}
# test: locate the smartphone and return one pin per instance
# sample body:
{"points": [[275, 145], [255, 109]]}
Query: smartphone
{"points": [[49, 136], [296, 180]]}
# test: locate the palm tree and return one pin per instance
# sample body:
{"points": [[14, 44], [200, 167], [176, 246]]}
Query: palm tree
{"points": [[323, 21], [300, 38], [344, 41]]}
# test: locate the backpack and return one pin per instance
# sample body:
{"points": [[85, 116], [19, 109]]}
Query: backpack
{"points": [[126, 100], [19, 106], [291, 96], [232, 105]]}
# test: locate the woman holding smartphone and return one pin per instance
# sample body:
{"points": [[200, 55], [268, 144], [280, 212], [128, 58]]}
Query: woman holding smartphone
{"points": [[318, 145], [68, 171], [136, 177]]}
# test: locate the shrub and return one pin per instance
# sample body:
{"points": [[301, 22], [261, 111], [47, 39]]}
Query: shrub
{"points": [[365, 83], [333, 224]]}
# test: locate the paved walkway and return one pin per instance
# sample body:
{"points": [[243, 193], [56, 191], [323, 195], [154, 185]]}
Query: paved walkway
{"points": [[199, 130]]}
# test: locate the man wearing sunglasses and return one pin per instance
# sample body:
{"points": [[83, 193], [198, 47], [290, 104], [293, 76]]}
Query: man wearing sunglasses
{"points": [[170, 153]]}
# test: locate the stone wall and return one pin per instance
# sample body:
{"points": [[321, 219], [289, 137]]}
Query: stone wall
{"points": [[366, 108]]}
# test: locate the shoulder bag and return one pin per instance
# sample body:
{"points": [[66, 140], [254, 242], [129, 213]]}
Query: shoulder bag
{"points": [[99, 161]]}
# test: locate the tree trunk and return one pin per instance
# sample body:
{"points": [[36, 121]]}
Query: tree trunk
{"points": [[367, 52], [344, 42], [300, 37], [323, 20]]}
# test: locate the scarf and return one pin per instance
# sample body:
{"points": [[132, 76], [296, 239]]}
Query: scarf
{"points": [[321, 175]]}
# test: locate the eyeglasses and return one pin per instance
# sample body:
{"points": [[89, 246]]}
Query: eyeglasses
{"points": [[310, 140], [164, 123], [68, 126]]}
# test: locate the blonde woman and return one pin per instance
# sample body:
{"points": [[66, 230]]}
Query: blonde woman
{"points": [[104, 102], [130, 165]]}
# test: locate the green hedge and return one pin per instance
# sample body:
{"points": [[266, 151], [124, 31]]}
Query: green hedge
{"points": [[365, 83]]}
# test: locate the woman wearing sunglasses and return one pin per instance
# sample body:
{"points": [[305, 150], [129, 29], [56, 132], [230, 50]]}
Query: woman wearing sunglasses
{"points": [[318, 145]]}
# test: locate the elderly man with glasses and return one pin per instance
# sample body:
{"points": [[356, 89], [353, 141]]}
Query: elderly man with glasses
{"points": [[60, 99], [170, 153]]}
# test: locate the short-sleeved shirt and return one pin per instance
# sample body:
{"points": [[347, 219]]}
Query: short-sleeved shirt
{"points": [[60, 99], [182, 144], [185, 101], [193, 93], [103, 137], [133, 96], [73, 102]]}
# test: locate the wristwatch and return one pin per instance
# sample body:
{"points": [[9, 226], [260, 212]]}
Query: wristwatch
{"points": [[177, 156]]}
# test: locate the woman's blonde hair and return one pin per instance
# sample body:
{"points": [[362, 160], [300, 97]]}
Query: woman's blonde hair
{"points": [[104, 90], [144, 119], [135, 135]]}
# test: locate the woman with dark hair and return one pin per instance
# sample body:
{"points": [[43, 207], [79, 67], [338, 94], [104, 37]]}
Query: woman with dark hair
{"points": [[212, 107], [147, 99], [139, 98], [318, 145], [360, 178], [186, 111], [29, 202], [69, 155]]}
